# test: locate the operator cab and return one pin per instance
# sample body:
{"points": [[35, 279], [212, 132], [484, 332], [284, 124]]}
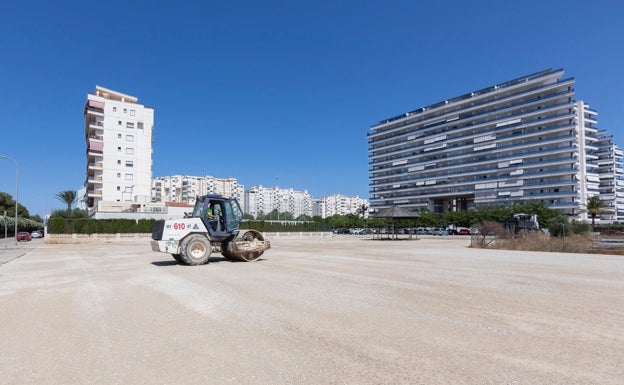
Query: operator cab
{"points": [[220, 215]]}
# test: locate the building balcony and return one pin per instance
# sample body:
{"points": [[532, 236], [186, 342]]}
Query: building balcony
{"points": [[94, 179], [94, 193], [95, 108], [96, 166], [95, 145]]}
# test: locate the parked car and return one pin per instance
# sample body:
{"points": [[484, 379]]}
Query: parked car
{"points": [[36, 234], [440, 231], [341, 231], [463, 232], [23, 236]]}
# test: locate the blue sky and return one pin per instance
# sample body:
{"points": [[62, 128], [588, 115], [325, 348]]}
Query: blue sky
{"points": [[288, 89]]}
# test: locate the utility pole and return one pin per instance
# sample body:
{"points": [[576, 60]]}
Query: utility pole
{"points": [[16, 191]]}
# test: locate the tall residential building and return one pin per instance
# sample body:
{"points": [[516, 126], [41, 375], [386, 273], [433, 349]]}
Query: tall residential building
{"points": [[183, 188], [261, 200], [523, 140], [118, 133], [337, 204], [611, 172]]}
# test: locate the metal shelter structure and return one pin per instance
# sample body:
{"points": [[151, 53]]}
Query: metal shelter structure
{"points": [[394, 213]]}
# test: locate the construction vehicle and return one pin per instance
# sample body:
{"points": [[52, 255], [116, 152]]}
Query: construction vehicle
{"points": [[523, 223], [212, 227]]}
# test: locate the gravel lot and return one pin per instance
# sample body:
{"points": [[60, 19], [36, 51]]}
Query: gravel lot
{"points": [[337, 310]]}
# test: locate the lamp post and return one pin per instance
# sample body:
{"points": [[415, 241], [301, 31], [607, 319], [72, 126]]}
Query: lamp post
{"points": [[16, 190], [277, 194]]}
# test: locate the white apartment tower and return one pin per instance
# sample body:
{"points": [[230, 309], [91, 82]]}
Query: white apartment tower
{"points": [[183, 188], [523, 140], [337, 204], [118, 133], [611, 172], [261, 200]]}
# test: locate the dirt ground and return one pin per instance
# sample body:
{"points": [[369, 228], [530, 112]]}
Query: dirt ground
{"points": [[340, 310]]}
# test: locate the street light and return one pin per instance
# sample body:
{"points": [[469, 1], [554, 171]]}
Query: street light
{"points": [[278, 196], [16, 190]]}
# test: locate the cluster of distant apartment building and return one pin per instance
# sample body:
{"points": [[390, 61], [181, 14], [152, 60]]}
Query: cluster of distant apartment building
{"points": [[119, 182], [524, 140]]}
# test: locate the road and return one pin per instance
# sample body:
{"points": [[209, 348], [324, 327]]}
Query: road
{"points": [[339, 310]]}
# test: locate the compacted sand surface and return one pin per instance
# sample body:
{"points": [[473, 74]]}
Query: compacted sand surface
{"points": [[339, 310]]}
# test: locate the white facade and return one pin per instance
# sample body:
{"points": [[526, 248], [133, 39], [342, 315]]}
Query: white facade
{"points": [[525, 140], [118, 134], [261, 200], [611, 173], [184, 188], [337, 204]]}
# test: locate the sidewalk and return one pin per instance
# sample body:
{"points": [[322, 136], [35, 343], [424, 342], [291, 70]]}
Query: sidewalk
{"points": [[9, 250]]}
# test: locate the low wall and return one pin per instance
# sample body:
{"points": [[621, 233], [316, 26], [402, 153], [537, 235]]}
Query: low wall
{"points": [[298, 234], [97, 238], [145, 237]]}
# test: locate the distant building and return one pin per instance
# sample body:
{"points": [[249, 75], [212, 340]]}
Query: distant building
{"points": [[261, 200], [524, 140], [118, 135], [337, 204], [611, 172], [184, 188]]}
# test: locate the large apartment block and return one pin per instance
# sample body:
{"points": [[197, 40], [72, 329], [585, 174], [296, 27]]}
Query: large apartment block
{"points": [[261, 200], [183, 188], [118, 133], [526, 139], [611, 172], [338, 204]]}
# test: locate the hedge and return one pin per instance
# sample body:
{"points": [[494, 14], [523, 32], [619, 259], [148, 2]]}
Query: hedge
{"points": [[57, 225], [99, 226]]}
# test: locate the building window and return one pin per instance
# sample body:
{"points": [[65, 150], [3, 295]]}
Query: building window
{"points": [[114, 109], [118, 161], [119, 122], [118, 136], [118, 175], [131, 112], [125, 110], [118, 188], [128, 190], [129, 125], [128, 176], [129, 163], [140, 125], [129, 150], [130, 138], [118, 149]]}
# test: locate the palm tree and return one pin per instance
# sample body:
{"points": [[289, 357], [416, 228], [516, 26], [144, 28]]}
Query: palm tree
{"points": [[594, 208], [68, 197], [362, 210]]}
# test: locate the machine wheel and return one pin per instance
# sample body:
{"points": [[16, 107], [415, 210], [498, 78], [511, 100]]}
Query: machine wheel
{"points": [[249, 256], [228, 255], [195, 250], [178, 258]]}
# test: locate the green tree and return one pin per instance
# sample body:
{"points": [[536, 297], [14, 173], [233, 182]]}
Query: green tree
{"points": [[68, 197], [594, 209], [338, 221], [8, 203], [559, 226]]}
